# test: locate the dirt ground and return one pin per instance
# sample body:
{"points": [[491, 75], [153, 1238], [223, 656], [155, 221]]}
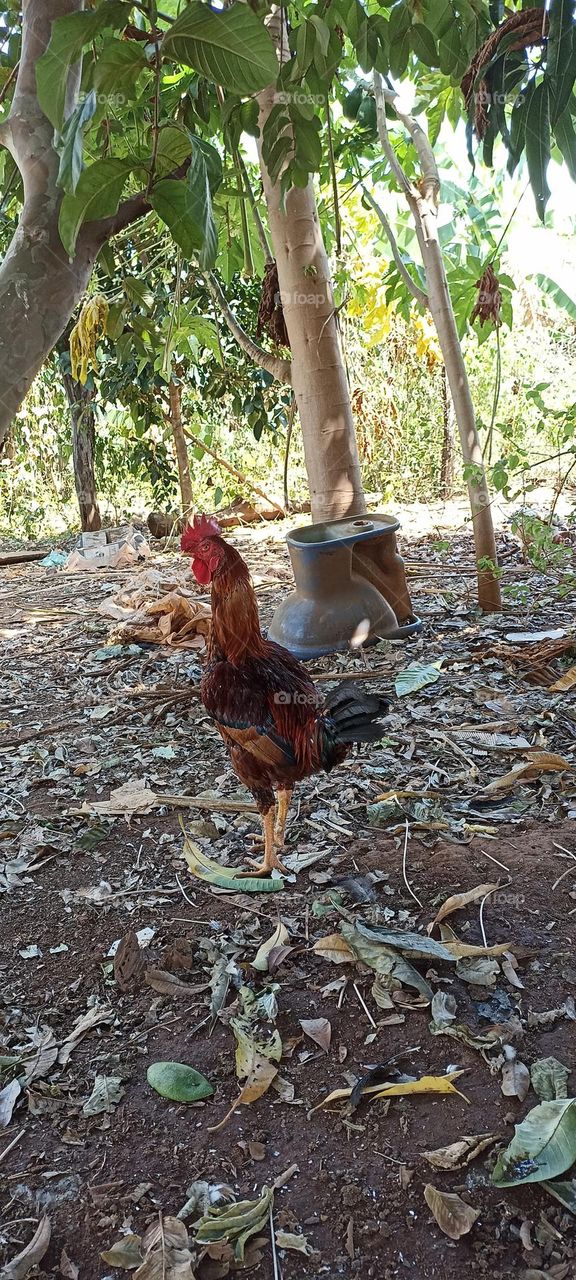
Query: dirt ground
{"points": [[76, 723]]}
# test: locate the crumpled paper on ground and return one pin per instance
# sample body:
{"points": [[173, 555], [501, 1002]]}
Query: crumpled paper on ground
{"points": [[158, 610]]}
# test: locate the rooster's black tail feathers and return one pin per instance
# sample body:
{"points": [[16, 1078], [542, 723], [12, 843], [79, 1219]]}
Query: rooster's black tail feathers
{"points": [[355, 715]]}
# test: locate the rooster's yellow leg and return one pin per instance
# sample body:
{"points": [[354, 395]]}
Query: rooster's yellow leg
{"points": [[271, 860], [284, 798]]}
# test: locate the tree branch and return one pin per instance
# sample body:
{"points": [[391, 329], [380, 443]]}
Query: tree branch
{"points": [[417, 293], [279, 368], [429, 185]]}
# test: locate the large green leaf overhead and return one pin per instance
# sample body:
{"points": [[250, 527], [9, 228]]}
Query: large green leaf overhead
{"points": [[231, 47]]}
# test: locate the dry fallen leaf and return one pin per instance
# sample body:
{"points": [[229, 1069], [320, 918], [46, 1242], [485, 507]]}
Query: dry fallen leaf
{"points": [[460, 1153], [93, 1018], [426, 1084], [540, 762], [515, 1080], [289, 1240], [128, 962], [28, 1258], [454, 1217], [319, 1030], [278, 939], [459, 900], [8, 1098], [334, 948], [565, 682], [125, 1253], [67, 1267], [168, 984]]}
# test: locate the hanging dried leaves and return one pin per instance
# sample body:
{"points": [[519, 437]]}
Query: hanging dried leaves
{"points": [[489, 301], [519, 31], [270, 311]]}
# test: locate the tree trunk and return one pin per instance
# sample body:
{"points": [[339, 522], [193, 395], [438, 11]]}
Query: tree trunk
{"points": [[318, 375], [180, 446], [39, 287], [422, 198], [448, 441], [83, 442]]}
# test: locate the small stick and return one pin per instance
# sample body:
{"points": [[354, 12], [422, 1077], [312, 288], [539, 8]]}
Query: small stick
{"points": [[404, 875], [341, 996], [568, 872], [498, 864], [365, 1007], [275, 1263], [283, 1178], [12, 1144], [563, 850]]}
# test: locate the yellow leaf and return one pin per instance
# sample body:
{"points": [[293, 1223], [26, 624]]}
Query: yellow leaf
{"points": [[539, 762], [426, 1084], [334, 948], [459, 900]]}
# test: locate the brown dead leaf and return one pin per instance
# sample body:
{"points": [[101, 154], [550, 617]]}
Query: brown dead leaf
{"points": [[257, 1150], [93, 1018], [319, 1030], [277, 940], [168, 984], [334, 948], [460, 1153], [167, 1255], [459, 900], [509, 968], [565, 682], [515, 1080], [540, 762], [405, 1176], [28, 1258], [67, 1267], [454, 1217], [44, 1043], [128, 962], [262, 1074]]}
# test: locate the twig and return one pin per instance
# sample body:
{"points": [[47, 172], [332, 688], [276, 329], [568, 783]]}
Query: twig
{"points": [[498, 864], [232, 470], [11, 1145], [418, 294], [365, 1007], [568, 872], [283, 1178], [563, 850], [404, 875], [482, 929], [183, 892], [276, 365], [275, 1263]]}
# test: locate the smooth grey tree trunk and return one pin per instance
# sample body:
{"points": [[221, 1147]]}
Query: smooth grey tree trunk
{"points": [[83, 445]]}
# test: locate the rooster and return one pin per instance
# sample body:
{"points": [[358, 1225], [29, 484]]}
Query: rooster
{"points": [[262, 700]]}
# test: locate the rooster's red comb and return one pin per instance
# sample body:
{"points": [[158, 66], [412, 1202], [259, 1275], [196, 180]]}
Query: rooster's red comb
{"points": [[202, 527]]}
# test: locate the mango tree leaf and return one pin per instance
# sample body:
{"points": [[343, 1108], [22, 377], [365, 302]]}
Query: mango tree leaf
{"points": [[557, 294], [119, 66], [106, 1093], [385, 960], [415, 677], [417, 943], [549, 1079], [235, 1223], [426, 1084], [565, 137], [179, 1082], [71, 143], [69, 36], [560, 54], [543, 1146], [565, 1192], [97, 196], [231, 48], [538, 144], [201, 207]]}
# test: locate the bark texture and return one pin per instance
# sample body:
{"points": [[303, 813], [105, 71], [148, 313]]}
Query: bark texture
{"points": [[447, 464], [318, 375], [180, 446], [83, 444]]}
